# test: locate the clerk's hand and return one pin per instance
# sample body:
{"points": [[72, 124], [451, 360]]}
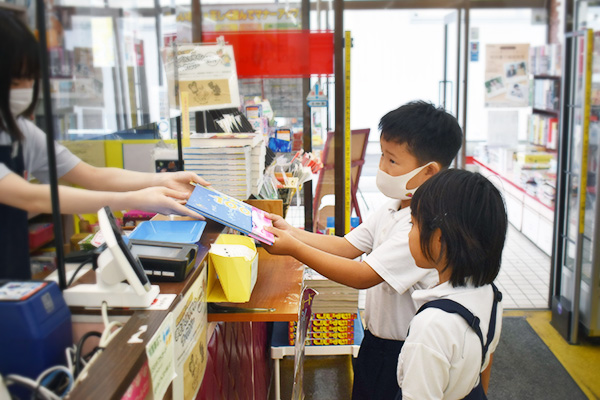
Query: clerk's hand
{"points": [[179, 181], [162, 200], [285, 243]]}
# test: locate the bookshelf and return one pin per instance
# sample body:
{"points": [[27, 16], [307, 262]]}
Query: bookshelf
{"points": [[545, 97], [527, 172]]}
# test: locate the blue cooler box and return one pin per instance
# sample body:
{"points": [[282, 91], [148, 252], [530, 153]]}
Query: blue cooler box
{"points": [[36, 327]]}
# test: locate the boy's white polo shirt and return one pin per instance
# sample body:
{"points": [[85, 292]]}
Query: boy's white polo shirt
{"points": [[441, 358], [383, 237]]}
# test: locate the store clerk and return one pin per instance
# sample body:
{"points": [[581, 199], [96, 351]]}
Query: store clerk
{"points": [[23, 154]]}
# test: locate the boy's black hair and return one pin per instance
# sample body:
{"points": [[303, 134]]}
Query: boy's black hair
{"points": [[430, 133], [20, 59], [470, 212]]}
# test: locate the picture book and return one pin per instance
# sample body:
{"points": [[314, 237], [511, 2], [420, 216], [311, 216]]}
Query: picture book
{"points": [[231, 212]]}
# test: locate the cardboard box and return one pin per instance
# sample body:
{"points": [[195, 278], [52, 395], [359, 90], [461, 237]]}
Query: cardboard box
{"points": [[232, 279]]}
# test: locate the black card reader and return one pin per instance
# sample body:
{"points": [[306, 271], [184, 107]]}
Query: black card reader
{"points": [[165, 261]]}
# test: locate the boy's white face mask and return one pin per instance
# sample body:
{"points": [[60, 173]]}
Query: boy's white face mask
{"points": [[19, 100], [395, 186]]}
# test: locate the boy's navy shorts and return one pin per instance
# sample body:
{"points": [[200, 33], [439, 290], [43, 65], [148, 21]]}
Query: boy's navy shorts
{"points": [[375, 369]]}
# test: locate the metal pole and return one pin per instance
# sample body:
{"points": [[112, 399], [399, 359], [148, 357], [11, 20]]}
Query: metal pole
{"points": [[180, 164], [463, 151], [159, 44], [561, 177], [306, 129], [458, 26], [56, 216]]}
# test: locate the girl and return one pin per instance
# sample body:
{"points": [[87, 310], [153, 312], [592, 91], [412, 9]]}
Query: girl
{"points": [[459, 226], [23, 153]]}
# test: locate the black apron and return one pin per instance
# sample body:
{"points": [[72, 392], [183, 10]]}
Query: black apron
{"points": [[14, 234], [450, 306]]}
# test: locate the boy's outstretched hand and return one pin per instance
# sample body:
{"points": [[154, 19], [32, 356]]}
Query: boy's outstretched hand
{"points": [[285, 243], [280, 223]]}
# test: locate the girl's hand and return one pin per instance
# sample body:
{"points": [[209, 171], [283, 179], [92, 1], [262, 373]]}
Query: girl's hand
{"points": [[162, 200], [285, 243], [179, 181]]}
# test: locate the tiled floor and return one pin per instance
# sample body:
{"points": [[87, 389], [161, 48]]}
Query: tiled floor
{"points": [[525, 273]]}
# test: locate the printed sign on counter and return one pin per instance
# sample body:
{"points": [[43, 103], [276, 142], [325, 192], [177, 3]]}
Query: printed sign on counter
{"points": [[190, 339], [161, 357]]}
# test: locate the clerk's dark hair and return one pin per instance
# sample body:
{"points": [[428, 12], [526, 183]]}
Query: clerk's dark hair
{"points": [[20, 57], [431, 133], [470, 212]]}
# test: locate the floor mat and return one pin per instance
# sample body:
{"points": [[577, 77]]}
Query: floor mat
{"points": [[524, 367]]}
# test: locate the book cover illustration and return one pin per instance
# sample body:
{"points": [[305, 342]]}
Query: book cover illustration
{"points": [[231, 212]]}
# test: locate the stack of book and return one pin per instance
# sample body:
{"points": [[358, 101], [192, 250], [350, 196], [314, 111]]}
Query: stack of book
{"points": [[232, 163], [334, 312], [333, 297]]}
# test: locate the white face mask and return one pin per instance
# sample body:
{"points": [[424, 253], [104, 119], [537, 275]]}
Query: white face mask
{"points": [[20, 99], [395, 186]]}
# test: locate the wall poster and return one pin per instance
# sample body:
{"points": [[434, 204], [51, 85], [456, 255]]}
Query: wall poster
{"points": [[207, 73], [507, 75]]}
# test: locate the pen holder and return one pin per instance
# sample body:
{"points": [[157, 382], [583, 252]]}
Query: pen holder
{"points": [[231, 279]]}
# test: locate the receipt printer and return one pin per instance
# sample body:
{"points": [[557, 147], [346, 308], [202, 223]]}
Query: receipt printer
{"points": [[165, 261], [36, 327]]}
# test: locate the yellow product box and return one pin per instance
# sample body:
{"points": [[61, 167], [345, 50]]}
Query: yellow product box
{"points": [[322, 323], [333, 322], [534, 158], [334, 316], [232, 269], [326, 335], [327, 342]]}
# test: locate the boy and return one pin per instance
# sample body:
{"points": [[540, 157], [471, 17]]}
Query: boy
{"points": [[417, 141]]}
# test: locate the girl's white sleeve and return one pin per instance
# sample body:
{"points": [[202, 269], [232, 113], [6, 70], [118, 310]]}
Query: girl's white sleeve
{"points": [[423, 367]]}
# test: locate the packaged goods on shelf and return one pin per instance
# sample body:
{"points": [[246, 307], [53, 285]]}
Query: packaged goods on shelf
{"points": [[534, 160], [328, 329]]}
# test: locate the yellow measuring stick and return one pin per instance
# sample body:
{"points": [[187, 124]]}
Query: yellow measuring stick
{"points": [[185, 119], [348, 136], [586, 128]]}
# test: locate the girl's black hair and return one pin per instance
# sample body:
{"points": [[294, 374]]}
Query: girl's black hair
{"points": [[20, 56], [430, 132], [470, 212]]}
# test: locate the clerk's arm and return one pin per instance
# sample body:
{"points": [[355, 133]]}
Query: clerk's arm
{"points": [[120, 180], [356, 274], [19, 193]]}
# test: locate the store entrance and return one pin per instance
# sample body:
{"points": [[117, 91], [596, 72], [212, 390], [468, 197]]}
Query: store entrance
{"points": [[404, 55]]}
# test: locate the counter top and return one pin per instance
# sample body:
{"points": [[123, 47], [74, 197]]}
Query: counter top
{"points": [[278, 287]]}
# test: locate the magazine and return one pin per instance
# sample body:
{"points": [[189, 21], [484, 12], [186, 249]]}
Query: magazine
{"points": [[231, 212]]}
